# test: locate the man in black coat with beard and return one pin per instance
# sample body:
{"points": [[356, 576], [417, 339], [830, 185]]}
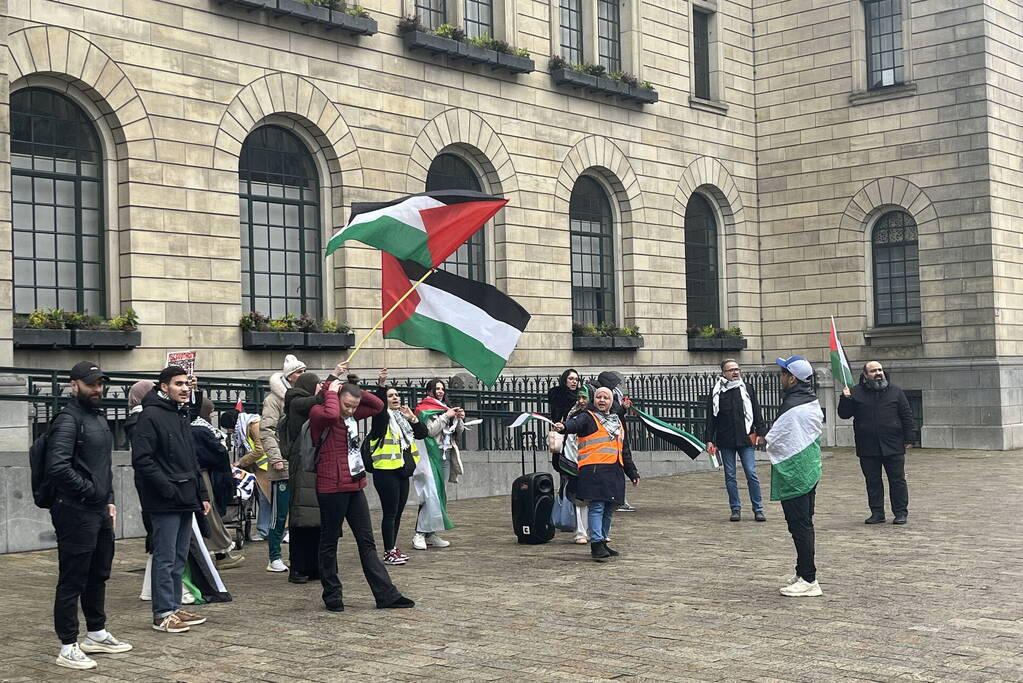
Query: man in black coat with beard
{"points": [[884, 429]]}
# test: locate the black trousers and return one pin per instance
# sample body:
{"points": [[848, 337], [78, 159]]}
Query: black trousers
{"points": [[350, 506], [85, 551], [799, 518], [392, 487], [303, 550], [895, 467]]}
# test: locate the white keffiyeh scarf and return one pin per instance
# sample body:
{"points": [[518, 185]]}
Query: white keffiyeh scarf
{"points": [[721, 386]]}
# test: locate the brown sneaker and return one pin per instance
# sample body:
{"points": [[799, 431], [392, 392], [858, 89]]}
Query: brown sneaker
{"points": [[169, 624], [189, 618]]}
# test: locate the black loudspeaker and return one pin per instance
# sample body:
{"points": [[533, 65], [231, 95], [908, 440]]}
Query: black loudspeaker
{"points": [[532, 499]]}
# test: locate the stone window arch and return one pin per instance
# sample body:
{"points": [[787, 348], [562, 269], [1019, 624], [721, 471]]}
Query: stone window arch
{"points": [[451, 171], [895, 267], [592, 234], [703, 263]]}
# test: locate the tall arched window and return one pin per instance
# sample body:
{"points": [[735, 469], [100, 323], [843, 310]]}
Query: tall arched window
{"points": [[591, 226], [280, 224], [703, 298], [896, 270], [57, 203], [452, 172]]}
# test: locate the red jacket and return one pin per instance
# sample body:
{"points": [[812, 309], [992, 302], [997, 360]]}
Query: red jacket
{"points": [[332, 474]]}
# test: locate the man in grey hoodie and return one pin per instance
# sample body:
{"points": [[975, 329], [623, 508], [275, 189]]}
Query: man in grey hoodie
{"points": [[273, 411]]}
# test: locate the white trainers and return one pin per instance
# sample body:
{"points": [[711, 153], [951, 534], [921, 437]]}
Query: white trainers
{"points": [[792, 579], [187, 598], [108, 645], [277, 566], [419, 541], [435, 541], [801, 589], [75, 659]]}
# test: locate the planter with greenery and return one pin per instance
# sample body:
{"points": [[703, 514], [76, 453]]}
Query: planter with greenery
{"points": [[451, 41], [55, 328], [331, 14], [712, 338], [605, 337], [592, 77], [290, 332]]}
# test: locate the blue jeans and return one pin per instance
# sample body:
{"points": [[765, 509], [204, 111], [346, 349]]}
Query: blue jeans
{"points": [[279, 492], [600, 515], [749, 466], [172, 534], [264, 514]]}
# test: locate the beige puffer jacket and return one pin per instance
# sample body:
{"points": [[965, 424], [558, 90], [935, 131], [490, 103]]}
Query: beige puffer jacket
{"points": [[273, 411]]}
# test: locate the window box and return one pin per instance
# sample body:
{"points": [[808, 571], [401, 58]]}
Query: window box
{"points": [[32, 338], [602, 84], [329, 340], [580, 343], [272, 340], [315, 14], [717, 343], [303, 11], [105, 339], [436, 45], [255, 4], [356, 26]]}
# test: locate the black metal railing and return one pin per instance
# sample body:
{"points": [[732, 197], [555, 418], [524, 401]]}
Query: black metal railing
{"points": [[676, 398]]}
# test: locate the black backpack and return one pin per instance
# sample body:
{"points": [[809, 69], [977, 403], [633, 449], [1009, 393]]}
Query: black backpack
{"points": [[283, 438], [43, 490]]}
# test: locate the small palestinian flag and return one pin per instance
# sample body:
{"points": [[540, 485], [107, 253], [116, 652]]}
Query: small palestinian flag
{"points": [[675, 436], [526, 417], [472, 323], [425, 228], [839, 363]]}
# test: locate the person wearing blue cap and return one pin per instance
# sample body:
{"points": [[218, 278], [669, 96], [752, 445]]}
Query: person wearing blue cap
{"points": [[794, 447]]}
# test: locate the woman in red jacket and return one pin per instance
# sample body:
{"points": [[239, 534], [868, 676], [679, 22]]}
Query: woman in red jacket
{"points": [[340, 480]]}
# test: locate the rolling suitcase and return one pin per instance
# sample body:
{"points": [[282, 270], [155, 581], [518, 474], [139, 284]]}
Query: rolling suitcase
{"points": [[532, 499]]}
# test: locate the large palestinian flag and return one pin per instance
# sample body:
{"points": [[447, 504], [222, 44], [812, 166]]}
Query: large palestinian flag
{"points": [[425, 228], [794, 446], [470, 322], [677, 437]]}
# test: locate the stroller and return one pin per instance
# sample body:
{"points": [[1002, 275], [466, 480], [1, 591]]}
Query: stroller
{"points": [[241, 511]]}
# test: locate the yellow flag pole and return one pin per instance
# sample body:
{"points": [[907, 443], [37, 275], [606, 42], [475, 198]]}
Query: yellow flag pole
{"points": [[389, 312]]}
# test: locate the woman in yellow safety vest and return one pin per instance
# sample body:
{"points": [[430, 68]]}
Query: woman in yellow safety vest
{"points": [[394, 454], [604, 462]]}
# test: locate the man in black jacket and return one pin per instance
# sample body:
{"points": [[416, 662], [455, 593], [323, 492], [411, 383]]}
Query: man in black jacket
{"points": [[170, 490], [78, 464], [884, 430], [735, 424]]}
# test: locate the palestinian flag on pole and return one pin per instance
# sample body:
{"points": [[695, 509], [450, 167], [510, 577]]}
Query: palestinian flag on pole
{"points": [[839, 363], [794, 446], [526, 417], [677, 437], [425, 228], [472, 323]]}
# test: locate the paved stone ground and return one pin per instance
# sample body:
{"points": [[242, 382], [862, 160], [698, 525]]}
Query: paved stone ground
{"points": [[693, 597]]}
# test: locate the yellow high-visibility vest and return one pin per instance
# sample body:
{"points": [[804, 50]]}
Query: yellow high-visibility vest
{"points": [[387, 454]]}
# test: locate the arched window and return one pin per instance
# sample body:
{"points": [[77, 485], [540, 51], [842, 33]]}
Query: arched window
{"points": [[280, 224], [591, 226], [703, 299], [452, 172], [57, 203], [896, 270]]}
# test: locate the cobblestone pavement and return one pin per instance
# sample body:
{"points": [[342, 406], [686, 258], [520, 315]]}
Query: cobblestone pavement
{"points": [[693, 597]]}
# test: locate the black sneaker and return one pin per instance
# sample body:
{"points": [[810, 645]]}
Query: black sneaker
{"points": [[874, 519], [735, 516], [401, 603], [900, 518], [610, 551], [598, 551], [759, 516], [294, 577], [335, 606]]}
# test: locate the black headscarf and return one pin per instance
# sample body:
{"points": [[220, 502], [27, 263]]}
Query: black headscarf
{"points": [[560, 399]]}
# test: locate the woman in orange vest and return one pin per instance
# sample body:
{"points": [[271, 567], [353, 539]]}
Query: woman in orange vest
{"points": [[604, 462]]}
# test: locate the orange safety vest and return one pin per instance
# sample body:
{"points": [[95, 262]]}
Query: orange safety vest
{"points": [[600, 448]]}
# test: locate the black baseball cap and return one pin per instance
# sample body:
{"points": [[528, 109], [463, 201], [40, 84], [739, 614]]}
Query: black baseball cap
{"points": [[88, 372]]}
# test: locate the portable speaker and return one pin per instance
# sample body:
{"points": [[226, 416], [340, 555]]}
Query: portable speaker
{"points": [[532, 499]]}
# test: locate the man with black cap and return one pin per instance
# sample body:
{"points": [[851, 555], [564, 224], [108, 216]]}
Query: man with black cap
{"points": [[170, 490], [78, 466]]}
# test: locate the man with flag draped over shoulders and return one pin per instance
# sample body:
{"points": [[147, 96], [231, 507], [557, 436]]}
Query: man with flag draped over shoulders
{"points": [[444, 426], [794, 446]]}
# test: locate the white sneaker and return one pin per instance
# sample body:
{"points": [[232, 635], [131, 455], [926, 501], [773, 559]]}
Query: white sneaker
{"points": [[75, 659], [109, 645], [145, 597], [187, 598], [792, 579], [277, 566], [801, 589], [287, 535], [419, 541], [435, 541]]}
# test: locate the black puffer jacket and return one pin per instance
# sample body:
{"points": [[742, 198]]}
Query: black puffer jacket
{"points": [[882, 420], [604, 482], [84, 477], [304, 509], [163, 455]]}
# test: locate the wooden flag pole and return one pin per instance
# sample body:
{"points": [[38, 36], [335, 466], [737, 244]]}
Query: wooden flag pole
{"points": [[388, 313]]}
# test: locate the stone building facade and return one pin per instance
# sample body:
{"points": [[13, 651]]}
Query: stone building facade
{"points": [[773, 129]]}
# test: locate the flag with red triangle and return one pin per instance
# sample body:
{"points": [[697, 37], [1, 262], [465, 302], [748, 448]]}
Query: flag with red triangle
{"points": [[839, 363]]}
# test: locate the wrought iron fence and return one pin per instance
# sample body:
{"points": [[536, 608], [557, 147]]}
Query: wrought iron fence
{"points": [[676, 398]]}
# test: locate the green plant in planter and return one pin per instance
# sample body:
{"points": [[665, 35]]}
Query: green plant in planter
{"points": [[83, 321], [708, 331], [555, 62], [286, 323], [128, 321], [450, 31], [332, 326], [521, 52], [20, 322], [254, 322], [409, 24], [48, 319], [646, 85], [733, 332], [307, 323], [357, 11]]}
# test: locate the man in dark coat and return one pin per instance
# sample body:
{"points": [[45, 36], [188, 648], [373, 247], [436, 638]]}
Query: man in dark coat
{"points": [[170, 491], [735, 424], [78, 465], [884, 429]]}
